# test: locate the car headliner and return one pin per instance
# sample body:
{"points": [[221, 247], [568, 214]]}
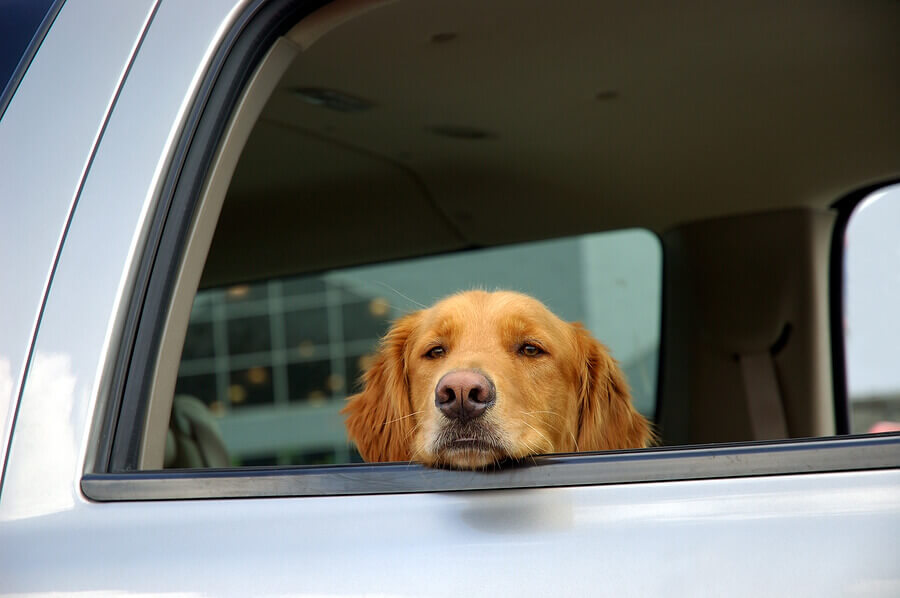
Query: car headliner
{"points": [[514, 120]]}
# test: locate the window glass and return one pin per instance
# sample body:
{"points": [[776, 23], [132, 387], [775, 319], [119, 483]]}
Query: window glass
{"points": [[275, 360], [871, 316], [20, 22]]}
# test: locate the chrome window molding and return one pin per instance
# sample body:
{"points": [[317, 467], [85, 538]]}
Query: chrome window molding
{"points": [[854, 453]]}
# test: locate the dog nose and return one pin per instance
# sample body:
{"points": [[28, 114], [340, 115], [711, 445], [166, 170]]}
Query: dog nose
{"points": [[464, 394]]}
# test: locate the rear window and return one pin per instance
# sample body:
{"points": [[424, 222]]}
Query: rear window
{"points": [[274, 360], [871, 317]]}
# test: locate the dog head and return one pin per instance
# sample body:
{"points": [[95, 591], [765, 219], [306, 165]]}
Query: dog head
{"points": [[481, 377]]}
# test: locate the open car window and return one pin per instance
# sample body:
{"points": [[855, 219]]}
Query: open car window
{"points": [[336, 180]]}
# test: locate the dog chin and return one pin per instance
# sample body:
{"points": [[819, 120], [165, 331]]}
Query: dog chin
{"points": [[466, 452], [467, 458]]}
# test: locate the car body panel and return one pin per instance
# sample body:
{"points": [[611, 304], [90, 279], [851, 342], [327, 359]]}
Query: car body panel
{"points": [[73, 345], [823, 534], [40, 131], [805, 535]]}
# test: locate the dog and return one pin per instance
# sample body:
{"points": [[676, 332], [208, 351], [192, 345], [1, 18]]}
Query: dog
{"points": [[484, 377]]}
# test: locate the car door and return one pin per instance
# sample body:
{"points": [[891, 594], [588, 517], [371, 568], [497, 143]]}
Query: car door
{"points": [[82, 511]]}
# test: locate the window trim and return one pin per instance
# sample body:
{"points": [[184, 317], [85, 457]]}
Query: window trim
{"points": [[250, 38], [793, 457]]}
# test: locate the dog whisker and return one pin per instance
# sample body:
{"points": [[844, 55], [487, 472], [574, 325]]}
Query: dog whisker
{"points": [[555, 429], [553, 413], [412, 458], [541, 434], [404, 417], [413, 430], [410, 299], [574, 440]]}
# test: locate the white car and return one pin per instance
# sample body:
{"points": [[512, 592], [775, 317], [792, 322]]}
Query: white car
{"points": [[209, 212]]}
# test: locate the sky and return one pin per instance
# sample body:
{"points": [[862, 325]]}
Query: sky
{"points": [[872, 296]]}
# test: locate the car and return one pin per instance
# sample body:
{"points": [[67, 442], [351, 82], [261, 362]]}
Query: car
{"points": [[211, 211]]}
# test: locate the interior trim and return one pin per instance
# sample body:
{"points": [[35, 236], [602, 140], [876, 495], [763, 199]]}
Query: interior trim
{"points": [[197, 247], [869, 452]]}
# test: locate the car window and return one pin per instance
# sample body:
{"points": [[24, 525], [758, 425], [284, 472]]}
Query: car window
{"points": [[320, 197], [22, 24], [871, 318], [274, 360]]}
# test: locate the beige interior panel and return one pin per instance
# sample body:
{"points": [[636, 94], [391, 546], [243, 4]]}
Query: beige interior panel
{"points": [[320, 204], [203, 227], [742, 286]]}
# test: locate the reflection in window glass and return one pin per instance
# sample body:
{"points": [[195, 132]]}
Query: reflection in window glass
{"points": [[249, 335], [306, 329], [199, 341], [275, 360], [871, 316]]}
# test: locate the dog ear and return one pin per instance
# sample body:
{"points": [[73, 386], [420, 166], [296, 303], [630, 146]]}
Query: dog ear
{"points": [[606, 418], [379, 419]]}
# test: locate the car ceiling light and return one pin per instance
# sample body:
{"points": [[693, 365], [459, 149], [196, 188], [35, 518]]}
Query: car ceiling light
{"points": [[440, 38], [332, 99], [461, 132], [606, 95]]}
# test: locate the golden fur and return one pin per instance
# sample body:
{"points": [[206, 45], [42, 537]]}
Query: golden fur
{"points": [[569, 396]]}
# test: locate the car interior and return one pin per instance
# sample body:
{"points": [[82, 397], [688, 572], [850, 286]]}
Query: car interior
{"points": [[378, 133]]}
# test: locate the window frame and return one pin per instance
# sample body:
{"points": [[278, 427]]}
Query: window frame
{"points": [[114, 474], [243, 48]]}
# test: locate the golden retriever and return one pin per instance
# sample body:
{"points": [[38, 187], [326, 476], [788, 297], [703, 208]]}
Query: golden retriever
{"points": [[485, 376]]}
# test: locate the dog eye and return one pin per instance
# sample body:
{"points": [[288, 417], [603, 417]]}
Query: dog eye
{"points": [[529, 350], [436, 352]]}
